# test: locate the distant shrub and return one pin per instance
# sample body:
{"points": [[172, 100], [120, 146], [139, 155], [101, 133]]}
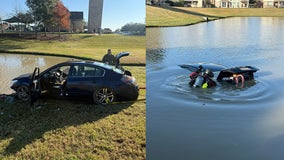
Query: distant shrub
{"points": [[134, 29]]}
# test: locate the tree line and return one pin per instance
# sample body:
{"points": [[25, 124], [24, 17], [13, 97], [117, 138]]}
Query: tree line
{"points": [[134, 29], [49, 13], [52, 15]]}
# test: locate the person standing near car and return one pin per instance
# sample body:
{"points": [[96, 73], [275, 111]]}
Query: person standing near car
{"points": [[109, 58]]}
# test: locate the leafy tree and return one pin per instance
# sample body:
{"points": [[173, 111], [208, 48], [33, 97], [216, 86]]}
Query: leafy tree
{"points": [[42, 10], [1, 24], [258, 4], [61, 16], [25, 17], [134, 28]]}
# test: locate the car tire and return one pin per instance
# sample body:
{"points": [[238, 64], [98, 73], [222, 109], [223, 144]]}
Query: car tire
{"points": [[23, 93], [103, 96]]}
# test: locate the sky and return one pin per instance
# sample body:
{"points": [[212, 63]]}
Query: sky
{"points": [[116, 13]]}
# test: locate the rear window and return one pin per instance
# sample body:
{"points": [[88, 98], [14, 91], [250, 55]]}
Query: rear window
{"points": [[117, 70]]}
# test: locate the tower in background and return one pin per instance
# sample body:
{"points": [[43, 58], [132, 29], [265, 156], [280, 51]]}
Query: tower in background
{"points": [[95, 16]]}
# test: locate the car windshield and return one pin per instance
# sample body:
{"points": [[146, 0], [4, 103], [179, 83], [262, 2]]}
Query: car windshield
{"points": [[117, 70]]}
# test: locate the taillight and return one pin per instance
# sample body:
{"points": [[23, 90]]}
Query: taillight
{"points": [[128, 79]]}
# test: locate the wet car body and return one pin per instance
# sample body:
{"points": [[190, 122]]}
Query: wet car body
{"points": [[81, 79], [224, 75]]}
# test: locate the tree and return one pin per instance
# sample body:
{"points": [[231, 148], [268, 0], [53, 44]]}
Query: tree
{"points": [[258, 4], [61, 16], [25, 17], [134, 28], [42, 11], [252, 3], [1, 24]]}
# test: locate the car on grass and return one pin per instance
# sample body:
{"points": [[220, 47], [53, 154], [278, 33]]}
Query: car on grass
{"points": [[98, 81]]}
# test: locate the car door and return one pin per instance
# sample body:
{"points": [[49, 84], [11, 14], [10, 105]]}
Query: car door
{"points": [[54, 84], [84, 79]]}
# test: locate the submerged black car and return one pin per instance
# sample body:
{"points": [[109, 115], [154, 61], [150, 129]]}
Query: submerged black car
{"points": [[202, 73], [101, 82]]}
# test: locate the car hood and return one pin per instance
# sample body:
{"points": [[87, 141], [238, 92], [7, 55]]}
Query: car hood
{"points": [[24, 76]]}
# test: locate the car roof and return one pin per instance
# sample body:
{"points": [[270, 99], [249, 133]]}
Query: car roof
{"points": [[96, 63]]}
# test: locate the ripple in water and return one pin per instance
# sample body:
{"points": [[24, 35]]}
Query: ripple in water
{"points": [[252, 92]]}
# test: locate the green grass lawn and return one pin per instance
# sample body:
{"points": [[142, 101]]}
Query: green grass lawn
{"points": [[179, 16], [73, 130], [67, 129], [162, 17], [81, 45]]}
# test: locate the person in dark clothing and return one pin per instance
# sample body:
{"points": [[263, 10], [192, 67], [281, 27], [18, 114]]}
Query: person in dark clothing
{"points": [[208, 75], [109, 58], [194, 75], [203, 80]]}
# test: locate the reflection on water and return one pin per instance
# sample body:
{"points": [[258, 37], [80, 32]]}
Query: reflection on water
{"points": [[155, 55], [226, 122], [13, 65]]}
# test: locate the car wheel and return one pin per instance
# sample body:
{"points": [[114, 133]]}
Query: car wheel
{"points": [[23, 93], [103, 96]]}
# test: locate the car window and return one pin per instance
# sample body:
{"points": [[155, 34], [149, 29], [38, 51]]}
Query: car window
{"points": [[117, 70], [74, 71], [63, 69], [86, 71]]}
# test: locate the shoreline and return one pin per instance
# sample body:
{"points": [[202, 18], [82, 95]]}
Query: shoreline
{"points": [[187, 16], [190, 24]]}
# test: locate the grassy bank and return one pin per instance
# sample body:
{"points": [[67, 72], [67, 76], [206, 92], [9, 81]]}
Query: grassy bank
{"points": [[179, 16], [81, 45], [68, 129], [73, 130]]}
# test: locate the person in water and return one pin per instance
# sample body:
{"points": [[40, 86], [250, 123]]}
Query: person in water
{"points": [[203, 80], [194, 75]]}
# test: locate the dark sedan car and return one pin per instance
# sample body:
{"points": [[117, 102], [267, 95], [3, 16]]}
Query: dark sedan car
{"points": [[101, 82]]}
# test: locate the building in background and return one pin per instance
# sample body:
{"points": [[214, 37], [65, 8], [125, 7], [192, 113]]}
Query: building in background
{"points": [[273, 3], [231, 3], [95, 16], [76, 22], [219, 3], [195, 3]]}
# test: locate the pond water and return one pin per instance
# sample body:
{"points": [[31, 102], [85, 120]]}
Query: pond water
{"points": [[14, 65], [225, 122]]}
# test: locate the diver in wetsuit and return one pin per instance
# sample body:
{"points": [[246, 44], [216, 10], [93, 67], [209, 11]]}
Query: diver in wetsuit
{"points": [[208, 75], [202, 80], [194, 75]]}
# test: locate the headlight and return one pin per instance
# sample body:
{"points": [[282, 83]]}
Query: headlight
{"points": [[13, 82]]}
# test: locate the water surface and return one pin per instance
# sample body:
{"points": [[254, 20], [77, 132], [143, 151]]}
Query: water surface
{"points": [[14, 65], [226, 122]]}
